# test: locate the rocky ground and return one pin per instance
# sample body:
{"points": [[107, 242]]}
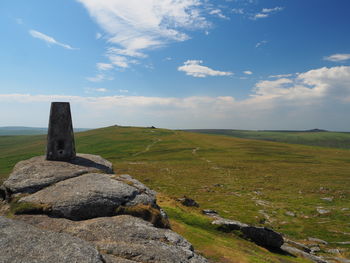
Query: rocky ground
{"points": [[79, 211]]}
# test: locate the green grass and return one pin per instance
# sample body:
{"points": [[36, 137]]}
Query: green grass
{"points": [[240, 178], [323, 139]]}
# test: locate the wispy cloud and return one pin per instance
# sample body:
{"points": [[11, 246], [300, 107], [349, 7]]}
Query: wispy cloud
{"points": [[266, 12], [92, 90], [49, 40], [104, 66], [195, 69], [338, 57], [218, 13], [281, 76], [99, 77], [261, 43], [134, 27], [248, 72]]}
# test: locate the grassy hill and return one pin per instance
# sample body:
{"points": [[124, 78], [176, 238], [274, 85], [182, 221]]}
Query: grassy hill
{"points": [[253, 181], [313, 137]]}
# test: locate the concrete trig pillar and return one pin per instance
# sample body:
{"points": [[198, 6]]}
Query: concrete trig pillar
{"points": [[60, 136]]}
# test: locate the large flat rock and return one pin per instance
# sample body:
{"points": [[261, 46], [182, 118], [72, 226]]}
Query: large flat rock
{"points": [[124, 238], [21, 243], [36, 173], [91, 195]]}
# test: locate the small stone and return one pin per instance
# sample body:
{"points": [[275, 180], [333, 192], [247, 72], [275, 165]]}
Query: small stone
{"points": [[333, 251], [322, 211], [315, 249], [289, 213], [209, 212], [328, 199], [317, 240]]}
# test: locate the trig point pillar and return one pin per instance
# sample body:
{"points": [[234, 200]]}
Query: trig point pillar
{"points": [[60, 137]]}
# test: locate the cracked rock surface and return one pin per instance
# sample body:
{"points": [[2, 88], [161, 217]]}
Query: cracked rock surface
{"points": [[88, 196], [20, 242], [31, 175], [124, 238]]}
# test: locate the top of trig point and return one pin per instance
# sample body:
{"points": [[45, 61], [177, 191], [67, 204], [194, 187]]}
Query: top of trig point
{"points": [[60, 137]]}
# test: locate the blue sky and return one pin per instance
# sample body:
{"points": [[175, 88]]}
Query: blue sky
{"points": [[243, 64]]}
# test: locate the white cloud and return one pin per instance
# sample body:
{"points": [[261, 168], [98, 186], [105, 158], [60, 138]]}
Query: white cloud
{"points": [[135, 26], [260, 15], [49, 40], [193, 68], [266, 12], [261, 43], [248, 72], [99, 77], [316, 98], [281, 76], [104, 66], [218, 13], [338, 57], [271, 10]]}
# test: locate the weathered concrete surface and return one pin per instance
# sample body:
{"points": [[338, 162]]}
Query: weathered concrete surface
{"points": [[36, 173], [124, 238], [90, 195], [21, 243], [60, 136]]}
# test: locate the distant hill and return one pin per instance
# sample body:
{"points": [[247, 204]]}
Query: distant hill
{"points": [[20, 130], [314, 137]]}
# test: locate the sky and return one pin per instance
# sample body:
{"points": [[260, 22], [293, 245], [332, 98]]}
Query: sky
{"points": [[235, 64]]}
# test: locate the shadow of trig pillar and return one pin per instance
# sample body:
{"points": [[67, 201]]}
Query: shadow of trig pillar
{"points": [[60, 136]]}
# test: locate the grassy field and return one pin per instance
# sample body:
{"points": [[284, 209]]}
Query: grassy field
{"points": [[253, 181], [323, 138]]}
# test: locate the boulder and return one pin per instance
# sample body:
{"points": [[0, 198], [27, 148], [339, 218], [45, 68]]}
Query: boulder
{"points": [[299, 253], [186, 201], [210, 212], [88, 196], [227, 225], [34, 174], [20, 242], [263, 236], [124, 238]]}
